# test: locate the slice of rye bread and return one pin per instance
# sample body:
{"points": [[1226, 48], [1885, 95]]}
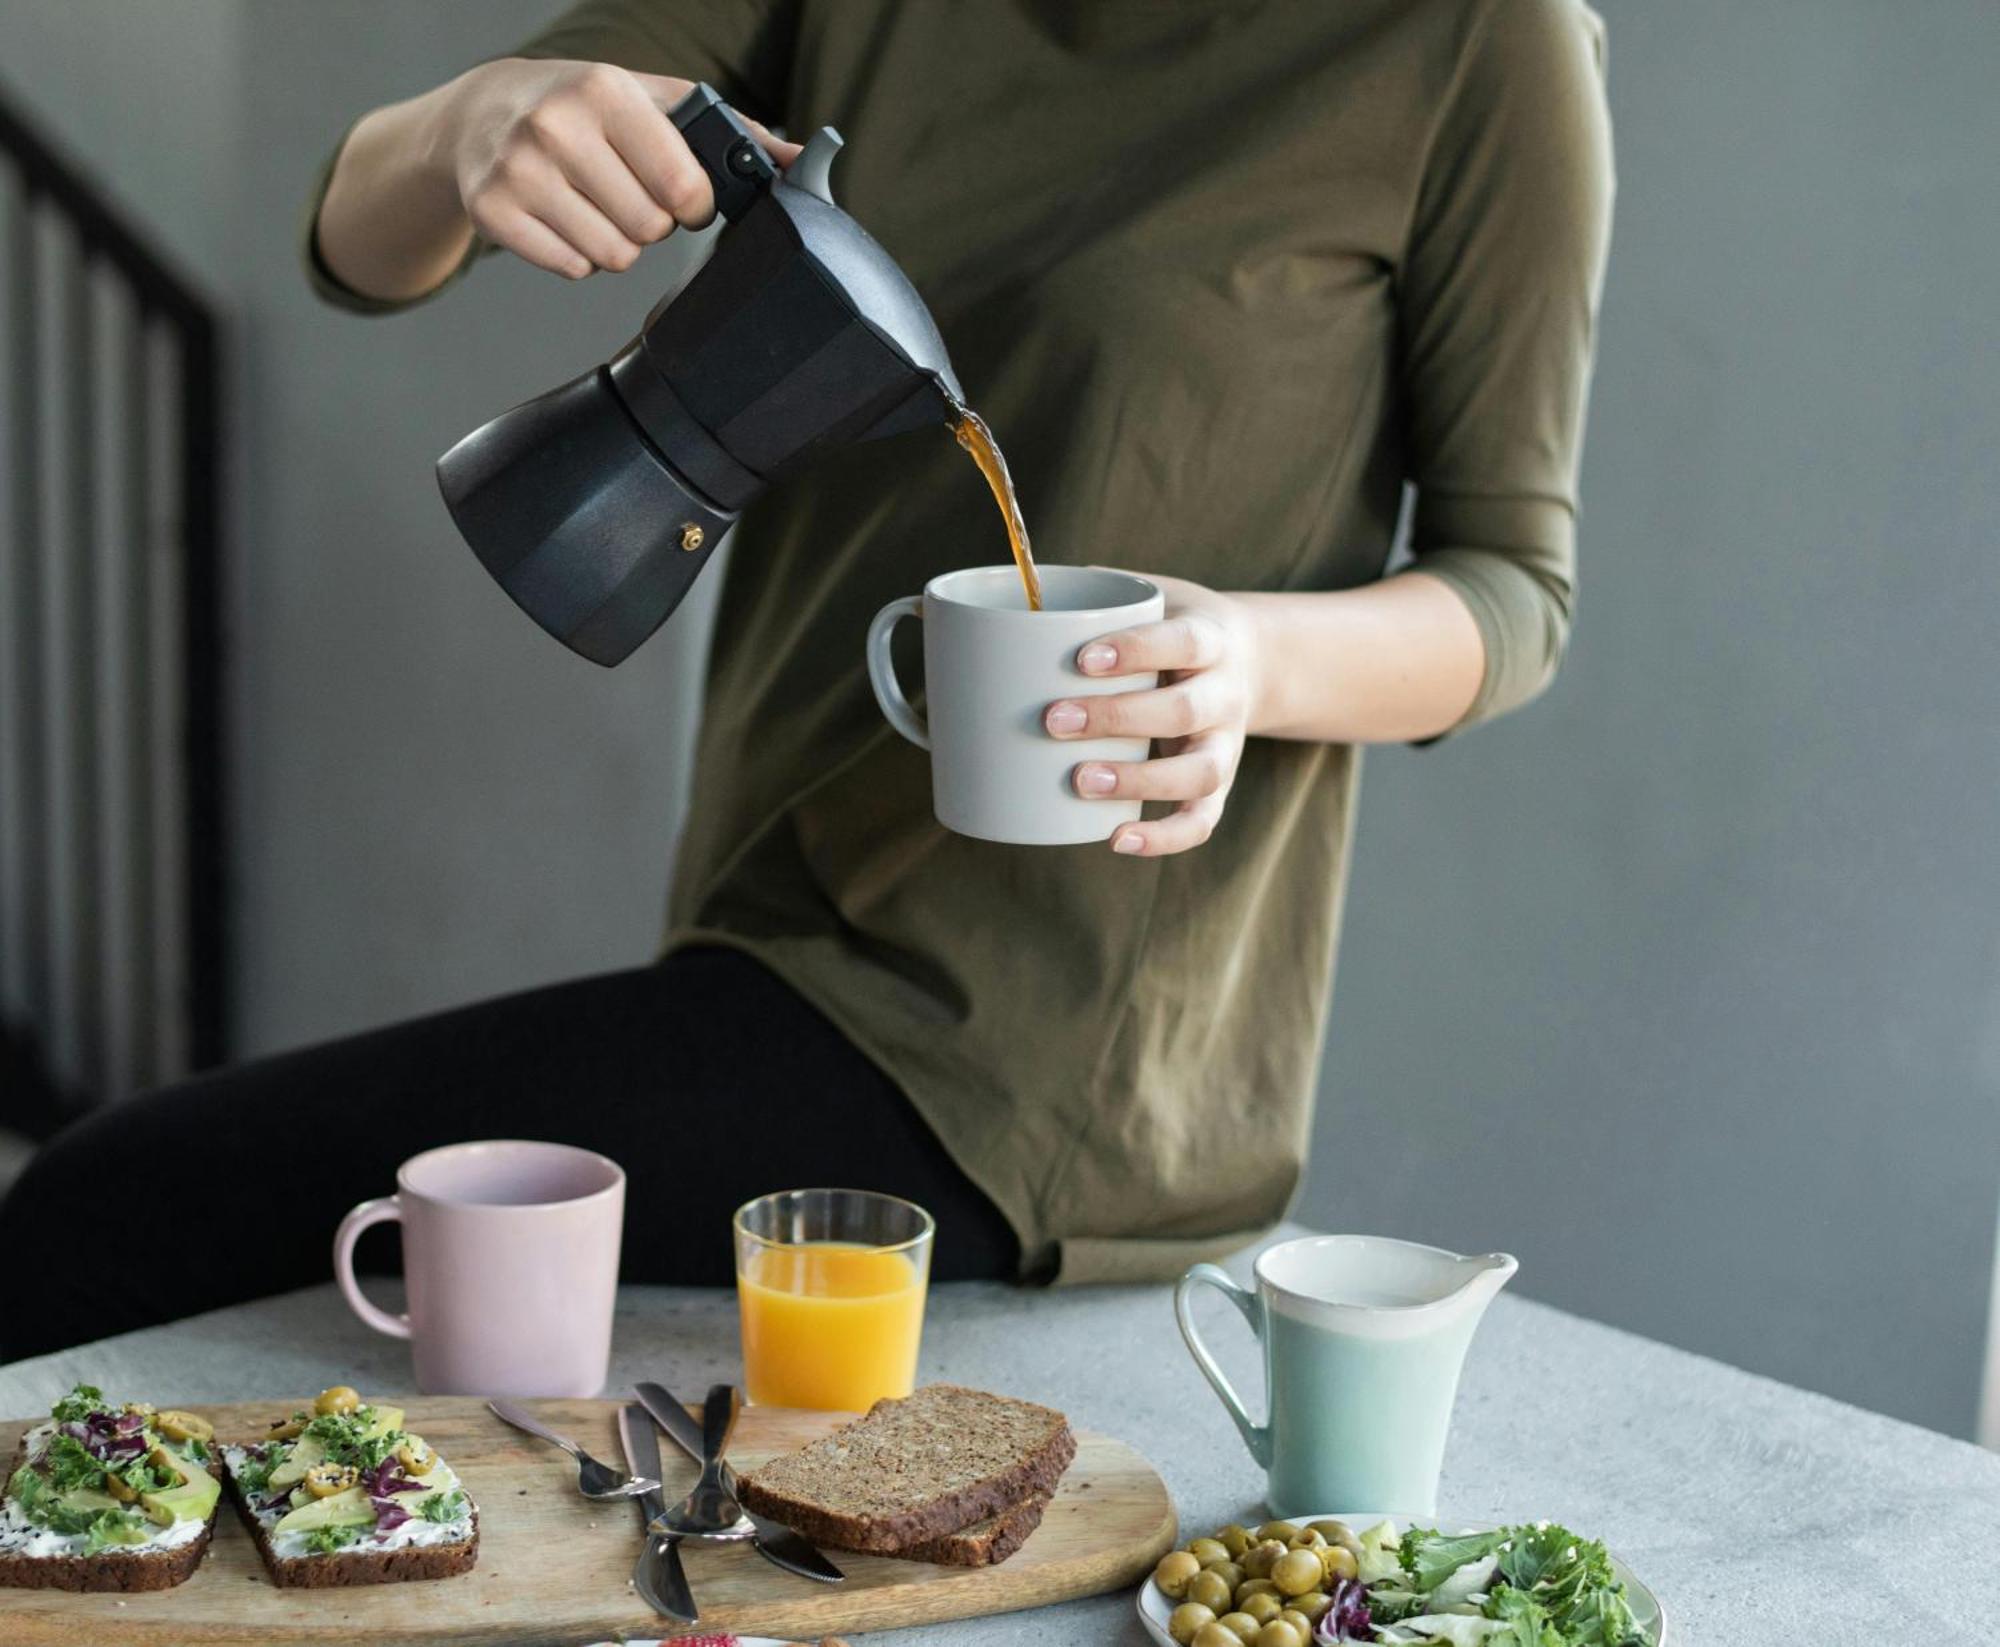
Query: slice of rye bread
{"points": [[342, 1569], [124, 1571], [915, 1469], [985, 1543]]}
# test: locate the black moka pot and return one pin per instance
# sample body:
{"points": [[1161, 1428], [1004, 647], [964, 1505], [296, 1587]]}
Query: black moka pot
{"points": [[596, 504]]}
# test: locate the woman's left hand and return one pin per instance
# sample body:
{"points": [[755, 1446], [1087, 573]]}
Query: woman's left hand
{"points": [[1198, 716]]}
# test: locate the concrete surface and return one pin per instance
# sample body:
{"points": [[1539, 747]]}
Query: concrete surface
{"points": [[1759, 1513]]}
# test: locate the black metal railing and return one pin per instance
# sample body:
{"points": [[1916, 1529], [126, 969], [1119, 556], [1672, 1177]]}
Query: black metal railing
{"points": [[111, 716]]}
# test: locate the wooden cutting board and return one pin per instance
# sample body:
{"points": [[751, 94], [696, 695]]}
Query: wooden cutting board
{"points": [[556, 1569]]}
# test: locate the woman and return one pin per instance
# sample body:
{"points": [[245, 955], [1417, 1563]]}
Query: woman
{"points": [[1223, 276]]}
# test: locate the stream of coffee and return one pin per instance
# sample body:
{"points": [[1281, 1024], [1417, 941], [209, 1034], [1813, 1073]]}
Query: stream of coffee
{"points": [[976, 438]]}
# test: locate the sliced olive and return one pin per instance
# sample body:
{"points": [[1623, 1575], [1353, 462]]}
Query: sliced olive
{"points": [[284, 1429], [180, 1426], [416, 1457], [336, 1400], [145, 1409], [324, 1480]]}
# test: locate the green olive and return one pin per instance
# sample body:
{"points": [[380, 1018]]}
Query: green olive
{"points": [[1186, 1620], [1261, 1557], [1279, 1634], [1297, 1571], [1307, 1540], [1241, 1625], [1283, 1531], [1263, 1608], [1338, 1563], [1299, 1622], [1215, 1634], [1254, 1587], [336, 1399], [1311, 1607], [1234, 1539], [1227, 1571], [1174, 1573], [1208, 1589], [1207, 1551], [1338, 1532]]}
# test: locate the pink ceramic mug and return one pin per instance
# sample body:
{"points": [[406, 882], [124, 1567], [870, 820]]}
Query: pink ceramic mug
{"points": [[510, 1262]]}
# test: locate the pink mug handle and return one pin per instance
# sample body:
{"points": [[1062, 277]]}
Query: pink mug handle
{"points": [[387, 1210]]}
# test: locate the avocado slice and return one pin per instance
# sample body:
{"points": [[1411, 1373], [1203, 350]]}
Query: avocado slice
{"points": [[305, 1453], [87, 1500], [344, 1509], [386, 1419], [190, 1501]]}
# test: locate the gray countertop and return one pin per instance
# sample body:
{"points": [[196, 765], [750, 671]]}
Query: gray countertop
{"points": [[1759, 1513]]}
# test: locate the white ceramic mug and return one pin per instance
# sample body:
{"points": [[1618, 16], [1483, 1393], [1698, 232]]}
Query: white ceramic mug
{"points": [[510, 1264], [991, 670]]}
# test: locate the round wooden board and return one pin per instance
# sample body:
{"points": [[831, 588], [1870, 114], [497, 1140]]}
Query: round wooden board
{"points": [[556, 1569]]}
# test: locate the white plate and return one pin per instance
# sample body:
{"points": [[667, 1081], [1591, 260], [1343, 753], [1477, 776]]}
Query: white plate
{"points": [[1154, 1608]]}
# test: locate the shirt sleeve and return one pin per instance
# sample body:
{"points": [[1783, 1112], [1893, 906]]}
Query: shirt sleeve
{"points": [[1498, 299], [743, 48]]}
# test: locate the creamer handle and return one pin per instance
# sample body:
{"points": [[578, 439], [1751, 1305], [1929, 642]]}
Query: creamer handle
{"points": [[1257, 1437]]}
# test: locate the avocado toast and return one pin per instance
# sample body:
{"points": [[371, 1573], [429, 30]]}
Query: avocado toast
{"points": [[103, 1497], [343, 1494]]}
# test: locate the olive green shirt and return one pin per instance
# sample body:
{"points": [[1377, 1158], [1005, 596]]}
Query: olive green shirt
{"points": [[1223, 276]]}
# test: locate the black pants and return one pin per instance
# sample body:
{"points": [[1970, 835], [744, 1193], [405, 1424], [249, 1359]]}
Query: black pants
{"points": [[706, 1077]]}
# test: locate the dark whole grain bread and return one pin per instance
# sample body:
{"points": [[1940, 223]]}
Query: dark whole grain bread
{"points": [[915, 1469], [125, 1572], [343, 1569], [985, 1543]]}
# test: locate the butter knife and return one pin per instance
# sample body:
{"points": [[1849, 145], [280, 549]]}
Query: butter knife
{"points": [[657, 1574], [774, 1541]]}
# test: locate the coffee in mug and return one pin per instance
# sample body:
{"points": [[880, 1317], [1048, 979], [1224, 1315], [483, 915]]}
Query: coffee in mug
{"points": [[510, 1265]]}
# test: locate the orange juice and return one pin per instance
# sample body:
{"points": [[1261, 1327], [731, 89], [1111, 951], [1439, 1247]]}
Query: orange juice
{"points": [[829, 1324]]}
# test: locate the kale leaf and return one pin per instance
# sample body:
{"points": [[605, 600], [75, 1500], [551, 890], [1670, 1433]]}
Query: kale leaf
{"points": [[444, 1507], [79, 1404]]}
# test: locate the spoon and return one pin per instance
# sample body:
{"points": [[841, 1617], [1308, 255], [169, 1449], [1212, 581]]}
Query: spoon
{"points": [[711, 1508], [593, 1480]]}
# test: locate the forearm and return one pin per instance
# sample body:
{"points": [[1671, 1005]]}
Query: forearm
{"points": [[1390, 662], [392, 225]]}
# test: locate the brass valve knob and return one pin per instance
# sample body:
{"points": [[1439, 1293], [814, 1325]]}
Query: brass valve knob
{"points": [[692, 536]]}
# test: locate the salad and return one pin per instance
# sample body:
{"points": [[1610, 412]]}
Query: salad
{"points": [[1321, 1584], [1537, 1585]]}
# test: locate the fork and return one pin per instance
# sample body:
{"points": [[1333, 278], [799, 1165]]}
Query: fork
{"points": [[593, 1479]]}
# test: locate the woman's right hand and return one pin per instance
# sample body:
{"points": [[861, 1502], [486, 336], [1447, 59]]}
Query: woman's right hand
{"points": [[575, 166]]}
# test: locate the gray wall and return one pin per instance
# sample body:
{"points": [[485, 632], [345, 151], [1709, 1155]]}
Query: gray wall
{"points": [[1685, 984], [1682, 985]]}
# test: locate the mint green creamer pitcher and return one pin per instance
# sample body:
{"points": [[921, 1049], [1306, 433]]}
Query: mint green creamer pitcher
{"points": [[1363, 1340]]}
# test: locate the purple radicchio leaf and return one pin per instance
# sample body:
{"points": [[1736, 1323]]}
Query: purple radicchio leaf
{"points": [[1348, 1618]]}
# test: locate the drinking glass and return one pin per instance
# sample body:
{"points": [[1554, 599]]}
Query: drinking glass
{"points": [[830, 1283]]}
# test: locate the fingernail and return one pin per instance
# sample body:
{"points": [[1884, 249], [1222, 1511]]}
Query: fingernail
{"points": [[1128, 841], [1097, 658], [1096, 780], [1065, 718]]}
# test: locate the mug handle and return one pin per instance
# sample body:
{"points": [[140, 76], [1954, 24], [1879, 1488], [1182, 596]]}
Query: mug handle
{"points": [[387, 1210], [1257, 1437], [882, 670]]}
